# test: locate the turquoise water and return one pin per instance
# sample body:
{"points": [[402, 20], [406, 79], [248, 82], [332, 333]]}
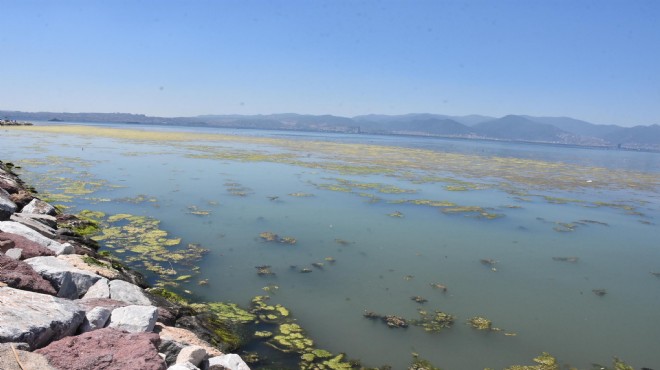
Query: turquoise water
{"points": [[548, 304]]}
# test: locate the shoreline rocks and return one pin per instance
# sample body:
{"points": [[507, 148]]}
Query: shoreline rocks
{"points": [[62, 310]]}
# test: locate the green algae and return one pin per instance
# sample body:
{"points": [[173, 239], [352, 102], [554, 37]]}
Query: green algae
{"points": [[545, 362], [272, 237], [169, 295], [228, 312], [434, 322]]}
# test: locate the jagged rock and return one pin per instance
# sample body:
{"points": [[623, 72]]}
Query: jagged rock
{"points": [[183, 366], [170, 349], [98, 267], [129, 293], [28, 360], [9, 184], [36, 318], [20, 275], [184, 337], [35, 225], [95, 319], [14, 253], [7, 206], [20, 229], [106, 349], [38, 206], [55, 271], [227, 362], [191, 354], [134, 319], [100, 289], [30, 248]]}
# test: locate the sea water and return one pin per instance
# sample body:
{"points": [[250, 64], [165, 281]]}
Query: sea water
{"points": [[384, 260]]}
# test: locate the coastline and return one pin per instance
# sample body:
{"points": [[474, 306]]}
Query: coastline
{"points": [[65, 305]]}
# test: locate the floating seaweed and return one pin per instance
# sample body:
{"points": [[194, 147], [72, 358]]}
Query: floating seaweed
{"points": [[566, 259], [489, 262], [408, 277], [301, 195], [395, 214], [599, 292], [394, 321], [342, 242], [264, 270], [419, 299], [195, 210], [434, 322], [330, 260], [305, 270], [318, 265], [439, 286], [272, 237]]}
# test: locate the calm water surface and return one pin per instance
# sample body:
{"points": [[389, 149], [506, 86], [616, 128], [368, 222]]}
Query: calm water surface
{"points": [[548, 304]]}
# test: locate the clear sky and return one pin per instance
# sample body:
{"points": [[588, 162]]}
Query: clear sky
{"points": [[592, 60]]}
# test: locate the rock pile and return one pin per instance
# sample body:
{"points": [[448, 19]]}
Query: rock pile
{"points": [[59, 311]]}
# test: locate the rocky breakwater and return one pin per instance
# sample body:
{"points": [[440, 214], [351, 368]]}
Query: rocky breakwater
{"points": [[65, 306]]}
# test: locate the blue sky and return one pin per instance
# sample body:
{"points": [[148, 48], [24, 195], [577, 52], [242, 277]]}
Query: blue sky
{"points": [[592, 60]]}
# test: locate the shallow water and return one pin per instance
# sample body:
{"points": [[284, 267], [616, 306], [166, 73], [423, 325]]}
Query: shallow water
{"points": [[548, 304]]}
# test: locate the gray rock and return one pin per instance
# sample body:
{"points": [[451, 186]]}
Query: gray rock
{"points": [[95, 319], [36, 319], [227, 362], [100, 289], [28, 233], [183, 366], [7, 206], [28, 360], [47, 220], [134, 319], [192, 354], [55, 271], [170, 348], [14, 253], [35, 225], [38, 206], [127, 292]]}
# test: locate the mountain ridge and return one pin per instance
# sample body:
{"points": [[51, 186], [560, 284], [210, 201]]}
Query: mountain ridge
{"points": [[515, 128]]}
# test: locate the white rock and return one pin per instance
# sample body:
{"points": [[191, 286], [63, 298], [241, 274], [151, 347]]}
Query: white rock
{"points": [[36, 318], [227, 362], [134, 319], [100, 289], [20, 229], [126, 292], [192, 354], [55, 271], [35, 225], [14, 253], [95, 319], [183, 366]]}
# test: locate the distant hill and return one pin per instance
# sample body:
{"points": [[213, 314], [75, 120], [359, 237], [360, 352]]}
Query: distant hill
{"points": [[556, 130]]}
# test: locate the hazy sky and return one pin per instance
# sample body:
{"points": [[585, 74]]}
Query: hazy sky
{"points": [[593, 60]]}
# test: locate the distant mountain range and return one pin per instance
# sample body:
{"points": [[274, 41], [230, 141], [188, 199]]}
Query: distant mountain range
{"points": [[518, 128]]}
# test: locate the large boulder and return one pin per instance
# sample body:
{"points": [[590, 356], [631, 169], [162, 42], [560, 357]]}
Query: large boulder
{"points": [[13, 358], [174, 339], [192, 354], [20, 275], [129, 293], [30, 248], [38, 206], [9, 183], [106, 349], [7, 206], [20, 229], [56, 270], [134, 319], [227, 362], [35, 318], [35, 224]]}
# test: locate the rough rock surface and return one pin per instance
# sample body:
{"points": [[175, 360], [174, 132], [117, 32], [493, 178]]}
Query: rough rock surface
{"points": [[47, 220], [19, 275], [134, 319], [56, 270], [36, 225], [183, 366], [35, 318], [28, 360], [38, 206], [100, 289], [184, 337], [192, 354], [8, 183], [227, 362], [129, 293], [103, 269], [7, 206], [106, 349], [30, 248], [96, 318], [20, 229], [21, 198]]}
